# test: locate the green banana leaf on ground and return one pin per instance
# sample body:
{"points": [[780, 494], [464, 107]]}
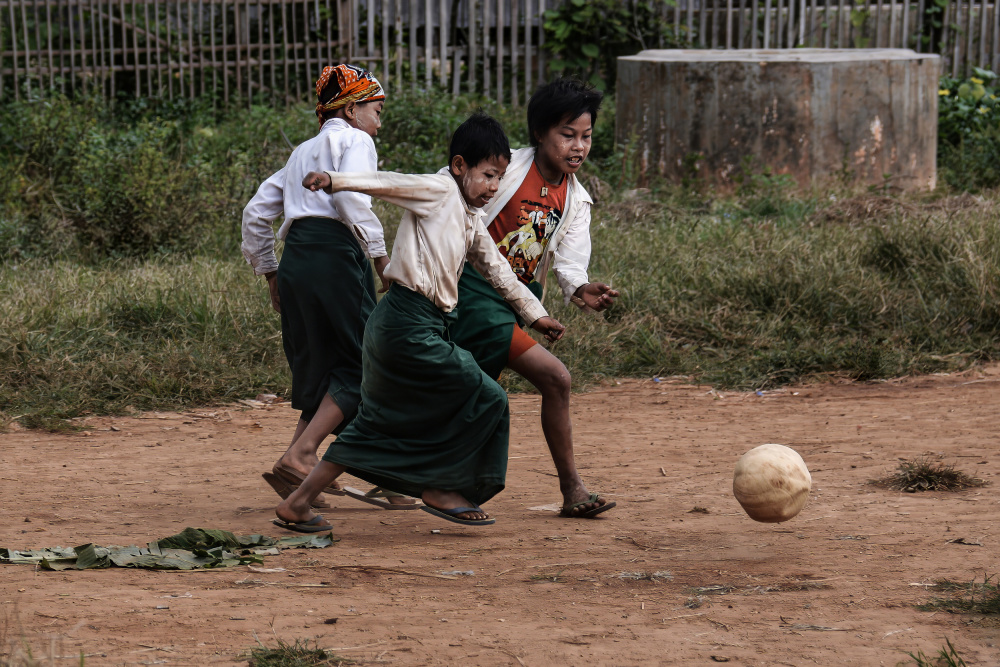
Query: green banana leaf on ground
{"points": [[191, 549]]}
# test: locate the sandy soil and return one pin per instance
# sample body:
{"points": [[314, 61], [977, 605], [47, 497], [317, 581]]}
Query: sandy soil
{"points": [[652, 582]]}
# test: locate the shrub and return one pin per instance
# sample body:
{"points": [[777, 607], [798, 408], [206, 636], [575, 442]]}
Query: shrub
{"points": [[969, 131], [586, 37]]}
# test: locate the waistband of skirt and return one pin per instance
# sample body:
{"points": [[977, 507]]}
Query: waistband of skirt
{"points": [[314, 229]]}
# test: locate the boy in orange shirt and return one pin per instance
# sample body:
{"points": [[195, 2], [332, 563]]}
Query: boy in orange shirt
{"points": [[540, 221]]}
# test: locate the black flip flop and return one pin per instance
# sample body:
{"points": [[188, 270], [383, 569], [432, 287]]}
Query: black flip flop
{"points": [[451, 515], [567, 511], [294, 479], [310, 526]]}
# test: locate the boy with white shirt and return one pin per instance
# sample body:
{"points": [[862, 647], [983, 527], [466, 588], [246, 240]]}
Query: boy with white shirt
{"points": [[323, 288], [431, 424]]}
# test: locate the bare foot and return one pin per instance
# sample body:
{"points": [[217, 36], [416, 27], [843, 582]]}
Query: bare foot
{"points": [[449, 500]]}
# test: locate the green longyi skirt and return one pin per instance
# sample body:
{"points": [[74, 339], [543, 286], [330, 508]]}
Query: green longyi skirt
{"points": [[429, 417], [327, 293]]}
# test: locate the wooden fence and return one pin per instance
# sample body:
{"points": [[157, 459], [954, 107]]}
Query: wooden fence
{"points": [[273, 50]]}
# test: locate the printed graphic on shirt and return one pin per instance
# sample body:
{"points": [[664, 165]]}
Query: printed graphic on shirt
{"points": [[523, 228]]}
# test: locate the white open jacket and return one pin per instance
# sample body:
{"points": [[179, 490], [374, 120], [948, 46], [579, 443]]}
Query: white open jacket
{"points": [[568, 251]]}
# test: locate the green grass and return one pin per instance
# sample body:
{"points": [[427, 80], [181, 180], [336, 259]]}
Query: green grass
{"points": [[946, 657], [123, 286], [814, 289], [750, 302], [974, 597], [133, 335]]}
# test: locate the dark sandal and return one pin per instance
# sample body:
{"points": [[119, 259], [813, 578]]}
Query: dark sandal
{"points": [[295, 479], [380, 498], [451, 515], [310, 526], [567, 510]]}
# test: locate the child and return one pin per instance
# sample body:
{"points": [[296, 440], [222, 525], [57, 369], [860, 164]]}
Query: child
{"points": [[431, 424], [323, 288], [540, 220]]}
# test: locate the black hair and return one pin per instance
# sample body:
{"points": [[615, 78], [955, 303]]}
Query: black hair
{"points": [[479, 138], [559, 99]]}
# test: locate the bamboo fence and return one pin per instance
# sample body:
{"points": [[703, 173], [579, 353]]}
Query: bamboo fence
{"points": [[273, 50]]}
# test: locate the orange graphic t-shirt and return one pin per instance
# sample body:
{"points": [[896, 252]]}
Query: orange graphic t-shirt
{"points": [[524, 226]]}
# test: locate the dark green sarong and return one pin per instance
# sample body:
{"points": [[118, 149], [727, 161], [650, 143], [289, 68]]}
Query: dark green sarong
{"points": [[327, 293], [485, 321], [429, 417]]}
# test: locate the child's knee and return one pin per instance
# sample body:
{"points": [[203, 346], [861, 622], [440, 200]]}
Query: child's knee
{"points": [[557, 379]]}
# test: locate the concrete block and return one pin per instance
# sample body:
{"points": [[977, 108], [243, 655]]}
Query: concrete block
{"points": [[860, 115]]}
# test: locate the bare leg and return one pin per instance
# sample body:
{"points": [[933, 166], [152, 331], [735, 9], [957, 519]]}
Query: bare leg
{"points": [[296, 508], [301, 455], [449, 500], [542, 369]]}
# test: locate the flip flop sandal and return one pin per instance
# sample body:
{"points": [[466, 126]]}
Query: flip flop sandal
{"points": [[379, 497], [451, 515], [294, 479], [284, 489], [310, 526], [567, 510]]}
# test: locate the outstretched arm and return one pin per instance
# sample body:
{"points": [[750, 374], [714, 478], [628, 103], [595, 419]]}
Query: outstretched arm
{"points": [[423, 194], [318, 180]]}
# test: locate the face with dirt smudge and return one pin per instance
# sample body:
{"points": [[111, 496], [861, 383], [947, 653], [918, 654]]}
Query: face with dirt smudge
{"points": [[366, 116], [478, 183], [563, 148]]}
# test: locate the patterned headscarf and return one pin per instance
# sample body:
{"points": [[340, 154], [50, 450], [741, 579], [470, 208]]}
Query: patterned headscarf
{"points": [[356, 85]]}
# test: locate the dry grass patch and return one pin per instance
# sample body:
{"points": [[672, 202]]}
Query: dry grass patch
{"points": [[299, 654], [862, 208], [924, 474]]}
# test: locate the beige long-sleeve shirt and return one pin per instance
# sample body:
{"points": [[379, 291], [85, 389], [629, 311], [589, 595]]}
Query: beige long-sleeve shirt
{"points": [[438, 233]]}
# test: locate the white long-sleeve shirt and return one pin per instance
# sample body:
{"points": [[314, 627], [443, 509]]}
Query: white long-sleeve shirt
{"points": [[568, 252], [337, 147], [438, 233]]}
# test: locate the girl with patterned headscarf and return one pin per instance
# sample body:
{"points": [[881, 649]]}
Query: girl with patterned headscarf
{"points": [[323, 287]]}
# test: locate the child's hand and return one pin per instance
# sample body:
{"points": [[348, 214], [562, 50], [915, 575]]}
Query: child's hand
{"points": [[550, 327], [317, 180], [597, 295], [380, 265], [272, 288]]}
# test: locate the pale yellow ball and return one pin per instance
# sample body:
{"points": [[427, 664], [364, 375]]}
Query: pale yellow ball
{"points": [[772, 483]]}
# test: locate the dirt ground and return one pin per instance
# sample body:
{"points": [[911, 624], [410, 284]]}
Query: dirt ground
{"points": [[652, 582]]}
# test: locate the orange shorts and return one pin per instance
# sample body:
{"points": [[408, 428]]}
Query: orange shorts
{"points": [[520, 342]]}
